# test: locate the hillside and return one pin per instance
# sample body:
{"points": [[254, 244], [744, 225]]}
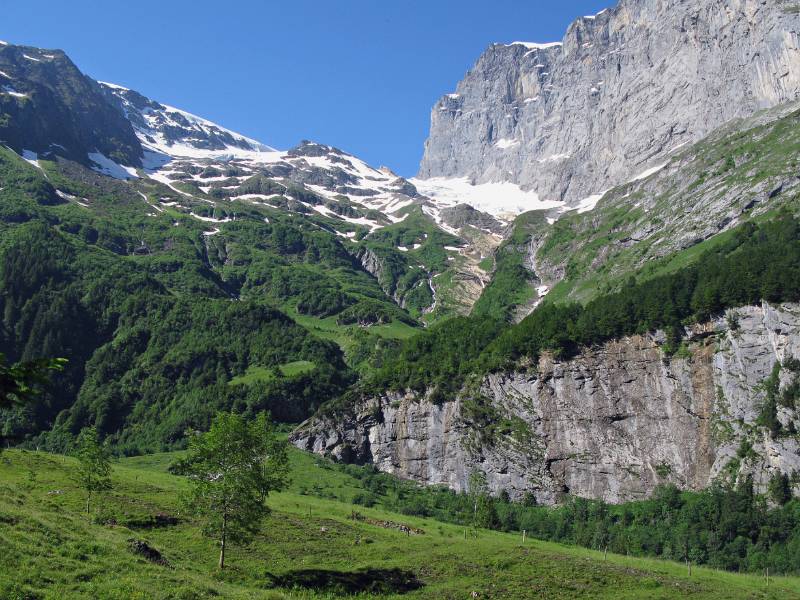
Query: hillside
{"points": [[142, 247], [580, 321], [310, 548]]}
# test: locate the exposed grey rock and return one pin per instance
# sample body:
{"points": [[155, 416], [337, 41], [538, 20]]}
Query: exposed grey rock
{"points": [[462, 215], [619, 94], [49, 107], [611, 423]]}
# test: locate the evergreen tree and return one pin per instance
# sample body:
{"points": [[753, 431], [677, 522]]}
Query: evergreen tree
{"points": [[780, 490], [232, 469]]}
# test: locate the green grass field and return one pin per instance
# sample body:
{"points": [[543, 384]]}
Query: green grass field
{"points": [[309, 548], [255, 373]]}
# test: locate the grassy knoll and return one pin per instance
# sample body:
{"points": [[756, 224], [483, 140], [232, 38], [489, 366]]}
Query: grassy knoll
{"points": [[309, 548], [256, 373]]}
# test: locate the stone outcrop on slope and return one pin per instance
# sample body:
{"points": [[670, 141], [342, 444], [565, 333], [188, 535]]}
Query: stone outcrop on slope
{"points": [[612, 423]]}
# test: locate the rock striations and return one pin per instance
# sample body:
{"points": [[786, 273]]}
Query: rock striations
{"points": [[621, 91], [611, 423]]}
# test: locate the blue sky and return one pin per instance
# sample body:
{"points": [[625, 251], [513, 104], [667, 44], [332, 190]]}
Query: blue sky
{"points": [[358, 74]]}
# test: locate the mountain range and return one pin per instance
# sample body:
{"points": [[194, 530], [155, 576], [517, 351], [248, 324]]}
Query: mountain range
{"points": [[589, 289]]}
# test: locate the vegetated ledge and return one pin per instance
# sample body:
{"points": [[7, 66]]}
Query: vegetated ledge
{"points": [[549, 428]]}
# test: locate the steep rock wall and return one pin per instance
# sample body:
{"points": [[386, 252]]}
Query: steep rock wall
{"points": [[611, 423], [621, 91]]}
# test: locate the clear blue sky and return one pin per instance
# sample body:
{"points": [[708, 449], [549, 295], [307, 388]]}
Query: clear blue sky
{"points": [[358, 74]]}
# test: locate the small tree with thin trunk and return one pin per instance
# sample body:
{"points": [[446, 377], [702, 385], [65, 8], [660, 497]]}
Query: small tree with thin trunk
{"points": [[94, 467], [232, 469]]}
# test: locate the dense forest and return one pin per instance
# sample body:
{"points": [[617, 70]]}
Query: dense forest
{"points": [[156, 318]]}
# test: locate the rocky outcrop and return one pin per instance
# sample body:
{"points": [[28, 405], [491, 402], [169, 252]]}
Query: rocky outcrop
{"points": [[621, 91], [48, 107], [611, 423], [463, 215]]}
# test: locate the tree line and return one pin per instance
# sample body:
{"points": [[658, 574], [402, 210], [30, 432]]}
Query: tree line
{"points": [[758, 262]]}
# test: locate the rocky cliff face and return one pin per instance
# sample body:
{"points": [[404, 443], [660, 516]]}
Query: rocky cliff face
{"points": [[612, 423], [621, 91], [48, 107]]}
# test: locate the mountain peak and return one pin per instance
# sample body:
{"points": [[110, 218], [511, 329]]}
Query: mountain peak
{"points": [[506, 120], [172, 131]]}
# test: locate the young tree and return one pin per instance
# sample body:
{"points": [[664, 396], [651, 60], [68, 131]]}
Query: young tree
{"points": [[484, 513], [94, 468], [232, 469]]}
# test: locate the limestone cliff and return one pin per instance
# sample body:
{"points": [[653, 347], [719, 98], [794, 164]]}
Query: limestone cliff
{"points": [[612, 423], [620, 92]]}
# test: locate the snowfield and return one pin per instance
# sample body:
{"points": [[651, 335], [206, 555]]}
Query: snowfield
{"points": [[502, 200]]}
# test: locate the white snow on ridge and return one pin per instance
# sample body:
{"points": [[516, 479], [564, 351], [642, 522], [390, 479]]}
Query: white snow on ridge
{"points": [[106, 166], [536, 46], [31, 58], [206, 124], [4, 74], [498, 199], [113, 85], [592, 17], [156, 144], [210, 219]]}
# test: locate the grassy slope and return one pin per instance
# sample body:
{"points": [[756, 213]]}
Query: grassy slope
{"points": [[637, 226], [53, 550], [256, 373]]}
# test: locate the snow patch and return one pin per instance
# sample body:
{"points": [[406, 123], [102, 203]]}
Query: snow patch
{"points": [[536, 46], [65, 196], [498, 199], [554, 158], [592, 17], [33, 158], [589, 203], [31, 58], [210, 219], [648, 173], [106, 166], [7, 89], [504, 143], [114, 86]]}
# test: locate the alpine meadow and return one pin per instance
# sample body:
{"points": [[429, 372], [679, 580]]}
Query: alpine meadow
{"points": [[560, 361]]}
